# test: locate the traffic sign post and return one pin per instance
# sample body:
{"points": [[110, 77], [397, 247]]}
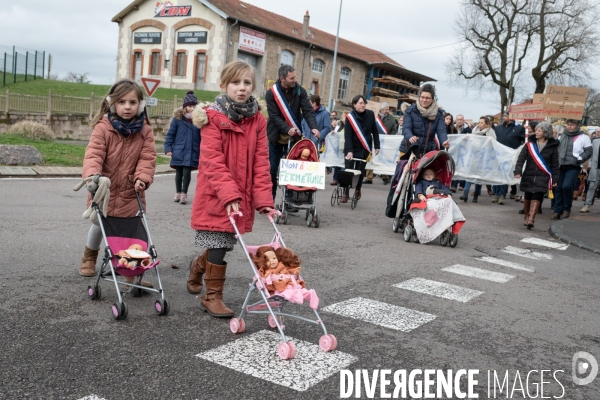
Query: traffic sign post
{"points": [[150, 85]]}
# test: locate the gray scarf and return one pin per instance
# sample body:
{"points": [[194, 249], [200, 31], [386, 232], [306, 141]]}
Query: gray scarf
{"points": [[429, 113], [563, 144]]}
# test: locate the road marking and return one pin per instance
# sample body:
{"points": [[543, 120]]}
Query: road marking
{"points": [[546, 243], [256, 355], [534, 255], [473, 272], [382, 314], [92, 397], [505, 263], [439, 289]]}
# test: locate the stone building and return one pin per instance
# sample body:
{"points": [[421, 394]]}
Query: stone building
{"points": [[185, 43]]}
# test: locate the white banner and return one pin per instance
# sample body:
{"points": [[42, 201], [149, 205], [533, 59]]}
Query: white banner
{"points": [[302, 173], [482, 160], [383, 163]]}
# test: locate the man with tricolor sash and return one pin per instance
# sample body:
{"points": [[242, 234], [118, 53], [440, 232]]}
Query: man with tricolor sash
{"points": [[287, 105], [387, 125]]}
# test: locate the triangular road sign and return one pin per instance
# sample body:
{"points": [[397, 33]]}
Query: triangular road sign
{"points": [[150, 85]]}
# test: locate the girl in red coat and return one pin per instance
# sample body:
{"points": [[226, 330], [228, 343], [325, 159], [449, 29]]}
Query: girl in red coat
{"points": [[233, 176]]}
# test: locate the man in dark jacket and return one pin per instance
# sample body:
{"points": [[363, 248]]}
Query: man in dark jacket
{"points": [[512, 136], [279, 132], [461, 125]]}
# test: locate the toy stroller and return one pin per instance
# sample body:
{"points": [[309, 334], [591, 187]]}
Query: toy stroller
{"points": [[120, 234], [302, 198], [347, 180], [272, 305]]}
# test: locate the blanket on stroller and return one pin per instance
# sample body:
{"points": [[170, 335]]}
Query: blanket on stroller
{"points": [[440, 214]]}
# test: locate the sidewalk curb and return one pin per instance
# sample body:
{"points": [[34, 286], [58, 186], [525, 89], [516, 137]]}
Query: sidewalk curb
{"points": [[556, 232]]}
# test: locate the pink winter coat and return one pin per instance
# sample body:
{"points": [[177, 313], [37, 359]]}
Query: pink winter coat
{"points": [[234, 166], [123, 161]]}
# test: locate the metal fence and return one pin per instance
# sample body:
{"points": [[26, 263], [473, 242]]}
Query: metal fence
{"points": [[57, 104], [21, 66]]}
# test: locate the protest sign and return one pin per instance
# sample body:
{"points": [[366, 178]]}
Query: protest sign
{"points": [[538, 98], [482, 160], [333, 156], [530, 111], [564, 101], [385, 162], [302, 173], [373, 106]]}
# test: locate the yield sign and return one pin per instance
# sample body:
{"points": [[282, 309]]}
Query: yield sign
{"points": [[150, 85]]}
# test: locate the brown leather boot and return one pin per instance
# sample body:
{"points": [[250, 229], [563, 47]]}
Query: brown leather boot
{"points": [[344, 198], [575, 195], [88, 262], [535, 206], [197, 268], [526, 208], [357, 195], [212, 301]]}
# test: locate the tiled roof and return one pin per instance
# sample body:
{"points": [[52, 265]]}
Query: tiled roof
{"points": [[267, 20]]}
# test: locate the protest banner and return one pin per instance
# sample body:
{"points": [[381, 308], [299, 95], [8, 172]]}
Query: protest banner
{"points": [[333, 156], [564, 101], [302, 173], [530, 111], [482, 160], [389, 152]]}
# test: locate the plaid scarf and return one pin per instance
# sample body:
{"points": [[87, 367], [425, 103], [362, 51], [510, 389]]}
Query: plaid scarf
{"points": [[127, 128], [237, 111]]}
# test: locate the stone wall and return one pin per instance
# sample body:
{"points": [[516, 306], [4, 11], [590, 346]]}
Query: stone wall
{"points": [[76, 127]]}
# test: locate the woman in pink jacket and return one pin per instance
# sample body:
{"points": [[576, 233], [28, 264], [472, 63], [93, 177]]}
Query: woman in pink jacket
{"points": [[233, 176]]}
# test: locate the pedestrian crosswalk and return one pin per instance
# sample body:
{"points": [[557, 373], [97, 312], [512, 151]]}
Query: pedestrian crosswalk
{"points": [[505, 263], [479, 273], [439, 289], [534, 255], [546, 243]]}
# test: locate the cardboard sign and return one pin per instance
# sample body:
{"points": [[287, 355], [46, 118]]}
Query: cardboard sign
{"points": [[530, 111], [302, 173], [564, 101], [538, 98], [373, 106]]}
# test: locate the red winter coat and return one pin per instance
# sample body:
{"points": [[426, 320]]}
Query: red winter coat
{"points": [[123, 161], [234, 166]]}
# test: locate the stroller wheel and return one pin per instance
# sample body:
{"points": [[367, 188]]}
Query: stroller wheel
{"points": [[353, 202], [316, 221], [408, 231], [119, 311], [237, 325], [445, 238], [307, 214], [453, 240], [327, 342], [309, 222], [277, 218], [162, 307], [94, 292], [334, 197], [340, 193], [396, 225], [286, 350], [285, 217], [272, 323]]}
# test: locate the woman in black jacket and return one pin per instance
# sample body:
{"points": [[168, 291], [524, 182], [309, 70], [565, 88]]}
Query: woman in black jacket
{"points": [[359, 144], [534, 180]]}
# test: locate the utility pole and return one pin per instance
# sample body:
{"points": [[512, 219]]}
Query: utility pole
{"points": [[511, 87], [337, 36], [49, 65]]}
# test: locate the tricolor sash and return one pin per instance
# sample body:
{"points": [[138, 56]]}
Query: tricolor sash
{"points": [[540, 162], [359, 131], [284, 107], [380, 125]]}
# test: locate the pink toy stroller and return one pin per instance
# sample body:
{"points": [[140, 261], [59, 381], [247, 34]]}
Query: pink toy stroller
{"points": [[119, 234], [272, 305], [302, 198]]}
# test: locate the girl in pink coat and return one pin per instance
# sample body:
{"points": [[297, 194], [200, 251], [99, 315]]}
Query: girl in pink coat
{"points": [[233, 176]]}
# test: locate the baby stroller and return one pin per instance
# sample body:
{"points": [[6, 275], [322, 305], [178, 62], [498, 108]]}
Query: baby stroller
{"points": [[402, 193], [298, 197], [272, 305], [347, 180], [120, 234]]}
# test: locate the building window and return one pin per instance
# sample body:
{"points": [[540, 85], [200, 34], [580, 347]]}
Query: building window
{"points": [[366, 88], [318, 66], [344, 82], [137, 63], [287, 57], [155, 63], [180, 63], [200, 67]]}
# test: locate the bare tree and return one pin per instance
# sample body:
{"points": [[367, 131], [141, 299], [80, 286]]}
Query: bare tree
{"points": [[592, 107], [568, 40], [77, 78], [489, 29]]}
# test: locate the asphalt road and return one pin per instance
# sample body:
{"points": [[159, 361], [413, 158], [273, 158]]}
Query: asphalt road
{"points": [[534, 314]]}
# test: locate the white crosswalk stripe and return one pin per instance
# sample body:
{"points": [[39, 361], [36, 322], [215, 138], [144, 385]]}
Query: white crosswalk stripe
{"points": [[534, 255], [546, 243], [473, 272], [439, 289], [505, 263], [256, 355], [383, 314], [92, 397]]}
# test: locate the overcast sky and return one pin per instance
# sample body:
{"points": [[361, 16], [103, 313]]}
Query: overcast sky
{"points": [[81, 37]]}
